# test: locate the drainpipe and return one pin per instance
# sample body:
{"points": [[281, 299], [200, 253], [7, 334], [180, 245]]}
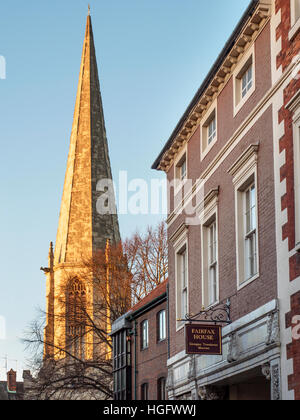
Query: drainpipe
{"points": [[168, 320], [135, 363]]}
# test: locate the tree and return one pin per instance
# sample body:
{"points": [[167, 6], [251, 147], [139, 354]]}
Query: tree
{"points": [[103, 290], [147, 259]]}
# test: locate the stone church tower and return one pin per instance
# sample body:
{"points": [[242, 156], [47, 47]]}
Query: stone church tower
{"points": [[81, 230]]}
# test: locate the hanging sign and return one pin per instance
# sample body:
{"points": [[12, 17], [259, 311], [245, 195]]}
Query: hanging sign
{"points": [[203, 339]]}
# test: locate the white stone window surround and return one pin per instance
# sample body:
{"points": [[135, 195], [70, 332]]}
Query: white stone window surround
{"points": [[212, 113], [294, 107], [244, 172], [209, 215], [179, 240], [247, 61], [295, 18]]}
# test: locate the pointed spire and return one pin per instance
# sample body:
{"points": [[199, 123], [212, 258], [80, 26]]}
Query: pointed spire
{"points": [[81, 229]]}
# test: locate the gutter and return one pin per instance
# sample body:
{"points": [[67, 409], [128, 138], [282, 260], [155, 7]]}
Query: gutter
{"points": [[227, 48]]}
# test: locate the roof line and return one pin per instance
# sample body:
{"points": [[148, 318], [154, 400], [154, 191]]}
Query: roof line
{"points": [[228, 46], [147, 306]]}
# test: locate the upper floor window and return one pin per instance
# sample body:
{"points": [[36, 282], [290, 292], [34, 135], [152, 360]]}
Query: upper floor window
{"points": [[212, 130], [250, 232], [212, 263], [181, 169], [294, 107], [244, 172], [145, 334], [182, 284], [121, 366], [209, 132], [295, 18], [162, 326], [296, 9], [209, 250], [247, 81], [244, 80]]}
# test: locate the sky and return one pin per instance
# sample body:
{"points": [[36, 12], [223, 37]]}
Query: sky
{"points": [[152, 57]]}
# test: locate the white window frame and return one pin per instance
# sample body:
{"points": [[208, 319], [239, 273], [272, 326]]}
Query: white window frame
{"points": [[244, 172], [208, 118], [182, 262], [208, 217], [250, 232], [295, 18], [179, 181], [294, 107], [162, 325], [143, 346], [180, 242], [247, 61]]}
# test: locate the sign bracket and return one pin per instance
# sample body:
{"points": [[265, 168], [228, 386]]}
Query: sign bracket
{"points": [[219, 314]]}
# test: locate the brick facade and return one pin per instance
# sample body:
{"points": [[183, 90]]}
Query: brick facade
{"points": [[289, 51], [147, 365], [264, 121]]}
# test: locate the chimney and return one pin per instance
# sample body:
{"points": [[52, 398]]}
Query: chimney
{"points": [[12, 381]]}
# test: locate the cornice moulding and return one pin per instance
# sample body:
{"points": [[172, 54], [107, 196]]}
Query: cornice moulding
{"points": [[247, 37], [252, 151]]}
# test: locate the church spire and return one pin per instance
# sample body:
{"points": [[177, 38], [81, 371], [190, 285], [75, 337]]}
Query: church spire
{"points": [[81, 229]]}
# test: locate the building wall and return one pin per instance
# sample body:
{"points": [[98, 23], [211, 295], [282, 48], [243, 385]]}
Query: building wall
{"points": [[258, 129], [151, 362], [286, 53], [266, 118]]}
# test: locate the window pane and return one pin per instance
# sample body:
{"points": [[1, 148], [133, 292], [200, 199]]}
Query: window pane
{"points": [[184, 304], [247, 80], [212, 285], [161, 389], [183, 170], [145, 334], [162, 325], [297, 9], [211, 131]]}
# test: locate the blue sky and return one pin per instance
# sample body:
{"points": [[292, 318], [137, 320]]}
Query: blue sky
{"points": [[152, 57]]}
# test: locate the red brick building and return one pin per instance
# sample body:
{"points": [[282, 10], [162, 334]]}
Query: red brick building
{"points": [[140, 349], [233, 161]]}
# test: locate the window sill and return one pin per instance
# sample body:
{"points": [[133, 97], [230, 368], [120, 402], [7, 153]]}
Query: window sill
{"points": [[247, 282], [294, 30], [208, 149], [211, 305], [180, 326], [242, 102]]}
